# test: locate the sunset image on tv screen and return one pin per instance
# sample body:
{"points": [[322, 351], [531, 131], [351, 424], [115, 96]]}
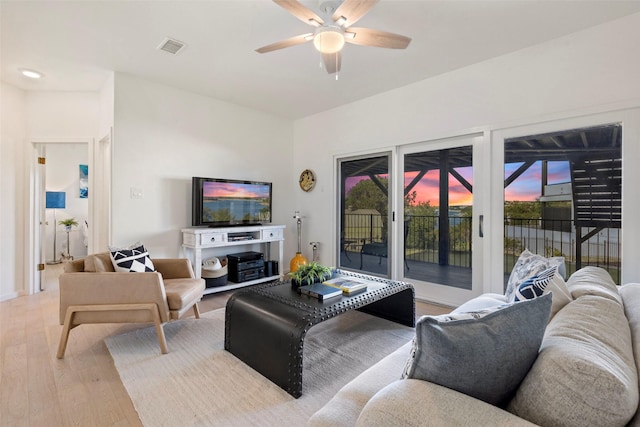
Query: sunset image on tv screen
{"points": [[235, 202]]}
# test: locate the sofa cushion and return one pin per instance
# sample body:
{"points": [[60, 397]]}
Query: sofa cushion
{"points": [[585, 374], [415, 403], [482, 302], [593, 281], [528, 265], [99, 263], [484, 354], [630, 294], [343, 409], [182, 292], [134, 259], [549, 281]]}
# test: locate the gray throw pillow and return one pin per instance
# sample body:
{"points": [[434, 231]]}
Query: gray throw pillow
{"points": [[485, 354]]}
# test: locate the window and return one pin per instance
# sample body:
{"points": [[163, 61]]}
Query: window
{"points": [[563, 197]]}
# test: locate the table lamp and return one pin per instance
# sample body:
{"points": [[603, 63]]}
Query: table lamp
{"points": [[55, 200]]}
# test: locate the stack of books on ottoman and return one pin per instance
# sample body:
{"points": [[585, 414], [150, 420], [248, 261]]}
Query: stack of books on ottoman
{"points": [[347, 285], [333, 288]]}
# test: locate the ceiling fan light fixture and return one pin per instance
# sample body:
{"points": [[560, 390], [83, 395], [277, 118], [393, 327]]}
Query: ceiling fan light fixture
{"points": [[334, 29], [328, 40]]}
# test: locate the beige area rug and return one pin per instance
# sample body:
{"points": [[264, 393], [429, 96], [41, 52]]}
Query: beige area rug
{"points": [[198, 383]]}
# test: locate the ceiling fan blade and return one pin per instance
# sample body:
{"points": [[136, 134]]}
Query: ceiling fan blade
{"points": [[377, 38], [332, 62], [300, 11], [353, 10], [303, 38]]}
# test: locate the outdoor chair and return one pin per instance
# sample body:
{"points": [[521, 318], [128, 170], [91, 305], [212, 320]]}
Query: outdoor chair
{"points": [[380, 250]]}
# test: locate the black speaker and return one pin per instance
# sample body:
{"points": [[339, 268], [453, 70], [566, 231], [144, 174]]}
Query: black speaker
{"points": [[271, 268]]}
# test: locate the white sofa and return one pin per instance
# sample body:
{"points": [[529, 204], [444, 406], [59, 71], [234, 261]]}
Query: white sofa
{"points": [[585, 373]]}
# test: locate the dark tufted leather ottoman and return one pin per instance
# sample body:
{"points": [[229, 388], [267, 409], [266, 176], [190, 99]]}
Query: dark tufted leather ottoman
{"points": [[265, 325]]}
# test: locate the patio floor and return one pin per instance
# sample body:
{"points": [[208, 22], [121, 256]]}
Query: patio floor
{"points": [[459, 277]]}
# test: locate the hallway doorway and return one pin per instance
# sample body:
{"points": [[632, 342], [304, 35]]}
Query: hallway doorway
{"points": [[62, 178]]}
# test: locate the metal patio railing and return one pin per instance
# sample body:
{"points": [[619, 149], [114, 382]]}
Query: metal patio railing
{"points": [[544, 237]]}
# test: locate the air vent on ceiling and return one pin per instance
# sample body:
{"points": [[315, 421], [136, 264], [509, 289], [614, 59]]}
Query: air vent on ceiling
{"points": [[171, 46]]}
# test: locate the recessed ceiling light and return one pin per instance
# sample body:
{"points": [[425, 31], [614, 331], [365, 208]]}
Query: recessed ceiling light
{"points": [[33, 74]]}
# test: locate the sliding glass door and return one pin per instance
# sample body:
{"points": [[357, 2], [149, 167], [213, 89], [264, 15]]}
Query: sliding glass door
{"points": [[558, 188], [423, 225], [364, 214], [438, 225], [563, 197]]}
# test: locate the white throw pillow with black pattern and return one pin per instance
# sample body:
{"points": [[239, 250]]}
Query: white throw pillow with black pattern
{"points": [[547, 282], [529, 265], [535, 286], [134, 259]]}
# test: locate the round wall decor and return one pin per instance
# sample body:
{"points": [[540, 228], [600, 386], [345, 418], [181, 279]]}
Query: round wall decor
{"points": [[307, 180]]}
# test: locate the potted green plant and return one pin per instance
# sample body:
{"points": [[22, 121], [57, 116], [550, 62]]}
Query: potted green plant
{"points": [[68, 223], [309, 274]]}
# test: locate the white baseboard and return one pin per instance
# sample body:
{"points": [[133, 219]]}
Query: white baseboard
{"points": [[12, 295]]}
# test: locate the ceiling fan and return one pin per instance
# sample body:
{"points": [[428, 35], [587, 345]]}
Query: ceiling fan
{"points": [[335, 29]]}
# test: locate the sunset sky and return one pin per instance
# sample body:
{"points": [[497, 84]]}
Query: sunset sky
{"points": [[526, 188], [230, 189]]}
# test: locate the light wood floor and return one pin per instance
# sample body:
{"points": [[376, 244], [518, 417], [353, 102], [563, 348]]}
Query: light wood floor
{"points": [[84, 388]]}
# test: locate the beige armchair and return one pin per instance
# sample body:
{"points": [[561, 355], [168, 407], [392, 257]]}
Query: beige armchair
{"points": [[92, 292]]}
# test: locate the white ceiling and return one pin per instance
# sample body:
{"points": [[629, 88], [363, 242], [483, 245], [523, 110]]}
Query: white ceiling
{"points": [[77, 43]]}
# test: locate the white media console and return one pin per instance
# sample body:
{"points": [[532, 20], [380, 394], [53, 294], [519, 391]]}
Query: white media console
{"points": [[220, 242]]}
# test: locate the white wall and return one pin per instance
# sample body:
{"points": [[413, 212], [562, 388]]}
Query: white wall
{"points": [[106, 104], [12, 224], [62, 116], [566, 76], [63, 162], [164, 136]]}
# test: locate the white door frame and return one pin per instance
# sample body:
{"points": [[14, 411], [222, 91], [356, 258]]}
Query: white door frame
{"points": [[434, 292], [100, 182], [390, 154], [98, 153], [39, 193]]}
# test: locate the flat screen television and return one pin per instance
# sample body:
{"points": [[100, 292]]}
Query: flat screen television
{"points": [[227, 202]]}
